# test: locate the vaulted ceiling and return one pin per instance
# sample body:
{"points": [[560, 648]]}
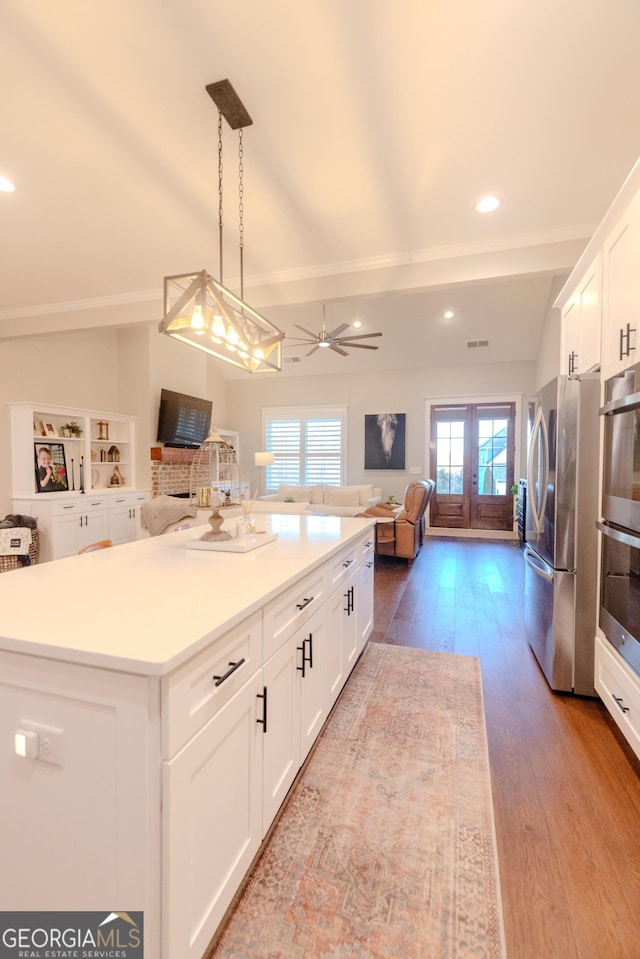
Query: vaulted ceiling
{"points": [[376, 128]]}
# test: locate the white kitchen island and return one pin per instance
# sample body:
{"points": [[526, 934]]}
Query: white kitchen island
{"points": [[176, 693]]}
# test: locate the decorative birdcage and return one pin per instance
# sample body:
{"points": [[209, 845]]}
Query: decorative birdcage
{"points": [[215, 482]]}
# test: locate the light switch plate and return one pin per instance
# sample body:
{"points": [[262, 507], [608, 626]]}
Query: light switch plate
{"points": [[415, 469]]}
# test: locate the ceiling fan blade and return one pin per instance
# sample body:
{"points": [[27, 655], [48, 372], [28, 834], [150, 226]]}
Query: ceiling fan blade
{"points": [[336, 349], [299, 339], [360, 336], [316, 347], [338, 330], [314, 336], [356, 346]]}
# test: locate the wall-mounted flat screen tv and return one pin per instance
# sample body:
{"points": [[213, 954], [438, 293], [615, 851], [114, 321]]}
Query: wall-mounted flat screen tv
{"points": [[184, 420]]}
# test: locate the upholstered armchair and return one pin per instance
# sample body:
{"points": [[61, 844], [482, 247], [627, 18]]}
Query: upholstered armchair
{"points": [[402, 536]]}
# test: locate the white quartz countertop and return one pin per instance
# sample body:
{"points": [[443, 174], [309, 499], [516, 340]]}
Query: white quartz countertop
{"points": [[145, 607]]}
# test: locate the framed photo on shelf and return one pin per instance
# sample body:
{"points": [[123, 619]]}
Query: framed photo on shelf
{"points": [[50, 467], [50, 429]]}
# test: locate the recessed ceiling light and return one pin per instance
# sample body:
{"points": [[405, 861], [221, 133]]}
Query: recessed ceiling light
{"points": [[449, 315], [6, 186], [487, 204], [357, 324]]}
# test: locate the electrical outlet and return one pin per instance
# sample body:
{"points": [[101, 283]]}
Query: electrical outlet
{"points": [[415, 469], [50, 742]]}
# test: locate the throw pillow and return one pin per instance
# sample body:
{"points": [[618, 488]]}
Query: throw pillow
{"points": [[300, 494], [341, 496], [364, 491]]}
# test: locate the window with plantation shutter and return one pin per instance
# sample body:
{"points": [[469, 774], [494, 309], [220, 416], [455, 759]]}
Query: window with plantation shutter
{"points": [[308, 445]]}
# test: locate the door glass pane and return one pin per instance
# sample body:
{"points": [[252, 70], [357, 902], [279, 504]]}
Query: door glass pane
{"points": [[449, 456], [492, 457]]}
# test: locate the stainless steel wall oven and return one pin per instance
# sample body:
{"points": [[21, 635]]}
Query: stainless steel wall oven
{"points": [[620, 525]]}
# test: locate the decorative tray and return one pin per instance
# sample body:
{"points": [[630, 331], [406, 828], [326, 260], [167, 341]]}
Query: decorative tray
{"points": [[237, 544]]}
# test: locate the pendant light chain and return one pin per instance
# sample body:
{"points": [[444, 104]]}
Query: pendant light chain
{"points": [[241, 208], [220, 188]]}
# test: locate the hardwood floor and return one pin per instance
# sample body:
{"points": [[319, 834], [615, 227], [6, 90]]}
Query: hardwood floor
{"points": [[566, 797]]}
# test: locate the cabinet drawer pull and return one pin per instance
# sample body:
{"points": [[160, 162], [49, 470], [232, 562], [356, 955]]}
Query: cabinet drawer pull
{"points": [[304, 658], [218, 680], [305, 602], [618, 701], [625, 349], [263, 721], [349, 598], [368, 565], [310, 656], [347, 563]]}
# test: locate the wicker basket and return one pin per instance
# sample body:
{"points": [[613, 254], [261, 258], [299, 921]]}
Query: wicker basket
{"points": [[8, 563]]}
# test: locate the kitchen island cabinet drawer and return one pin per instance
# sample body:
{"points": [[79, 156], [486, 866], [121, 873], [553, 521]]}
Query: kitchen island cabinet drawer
{"points": [[284, 614], [193, 694], [619, 688], [344, 564]]}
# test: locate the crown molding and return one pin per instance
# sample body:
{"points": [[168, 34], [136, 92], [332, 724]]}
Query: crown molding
{"points": [[431, 254]]}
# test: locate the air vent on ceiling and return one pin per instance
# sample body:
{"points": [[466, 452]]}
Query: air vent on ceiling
{"points": [[292, 359], [471, 344]]}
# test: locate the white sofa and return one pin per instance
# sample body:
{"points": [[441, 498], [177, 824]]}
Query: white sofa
{"points": [[325, 499]]}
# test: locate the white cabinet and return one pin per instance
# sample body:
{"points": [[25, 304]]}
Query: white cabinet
{"points": [[212, 826], [280, 726], [621, 292], [582, 324], [315, 643], [619, 688], [66, 523], [124, 516], [171, 776], [365, 598], [69, 522], [82, 510]]}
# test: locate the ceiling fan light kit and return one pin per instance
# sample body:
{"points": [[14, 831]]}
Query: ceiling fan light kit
{"points": [[199, 310], [333, 340]]}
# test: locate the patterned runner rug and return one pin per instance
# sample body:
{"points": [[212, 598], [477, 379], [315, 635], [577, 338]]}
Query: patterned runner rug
{"points": [[386, 847]]}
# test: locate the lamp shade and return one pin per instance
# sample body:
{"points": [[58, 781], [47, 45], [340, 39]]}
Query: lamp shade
{"points": [[263, 459]]}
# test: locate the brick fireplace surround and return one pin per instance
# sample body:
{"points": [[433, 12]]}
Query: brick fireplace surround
{"points": [[170, 470]]}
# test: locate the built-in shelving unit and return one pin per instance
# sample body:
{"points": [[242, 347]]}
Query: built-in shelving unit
{"points": [[91, 492]]}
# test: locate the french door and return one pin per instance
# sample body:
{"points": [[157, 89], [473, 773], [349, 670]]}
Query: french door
{"points": [[472, 453]]}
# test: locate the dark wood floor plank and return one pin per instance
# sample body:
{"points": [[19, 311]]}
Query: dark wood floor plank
{"points": [[566, 798]]}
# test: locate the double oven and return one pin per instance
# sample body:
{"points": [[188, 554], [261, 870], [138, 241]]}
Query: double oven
{"points": [[620, 524]]}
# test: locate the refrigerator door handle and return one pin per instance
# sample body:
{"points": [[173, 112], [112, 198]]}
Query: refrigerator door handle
{"points": [[627, 538], [537, 565], [539, 438]]}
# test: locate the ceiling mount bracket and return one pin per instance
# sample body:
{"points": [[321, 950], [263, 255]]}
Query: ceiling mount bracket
{"points": [[229, 104]]}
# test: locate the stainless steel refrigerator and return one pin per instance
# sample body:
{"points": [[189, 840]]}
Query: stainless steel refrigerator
{"points": [[561, 538]]}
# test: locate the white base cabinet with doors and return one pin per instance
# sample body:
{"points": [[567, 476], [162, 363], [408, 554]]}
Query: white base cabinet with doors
{"points": [[67, 523], [184, 727]]}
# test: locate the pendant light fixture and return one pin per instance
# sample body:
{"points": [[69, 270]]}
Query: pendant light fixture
{"points": [[198, 309]]}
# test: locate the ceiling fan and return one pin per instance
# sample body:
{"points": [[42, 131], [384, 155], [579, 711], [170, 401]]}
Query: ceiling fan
{"points": [[333, 340]]}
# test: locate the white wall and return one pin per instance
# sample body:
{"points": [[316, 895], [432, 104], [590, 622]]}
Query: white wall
{"points": [[110, 370], [403, 391], [64, 369], [548, 362]]}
